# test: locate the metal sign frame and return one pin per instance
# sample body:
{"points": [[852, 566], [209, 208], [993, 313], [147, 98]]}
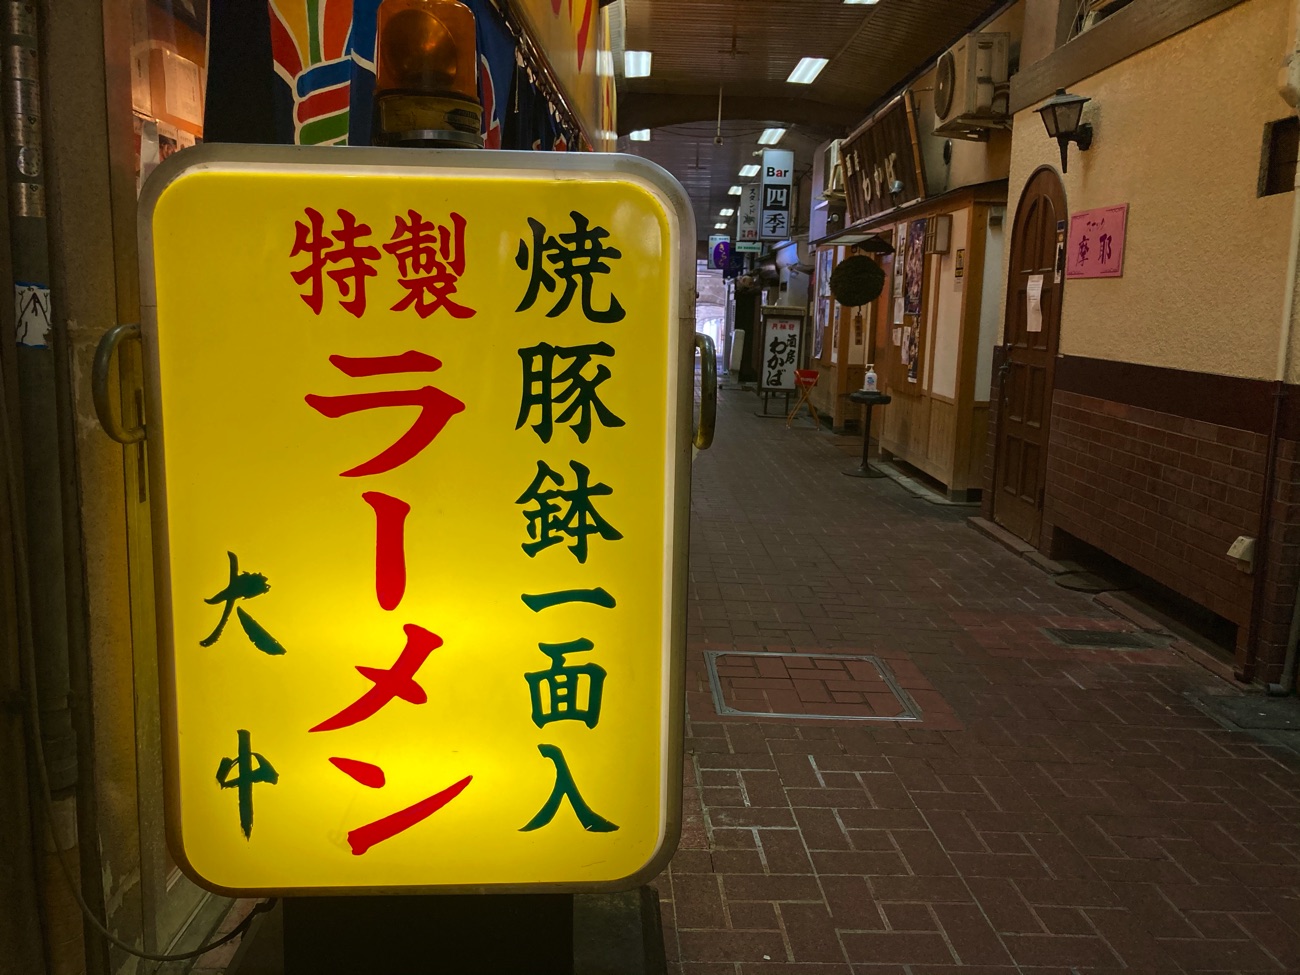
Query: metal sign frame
{"points": [[773, 187], [677, 448], [768, 314]]}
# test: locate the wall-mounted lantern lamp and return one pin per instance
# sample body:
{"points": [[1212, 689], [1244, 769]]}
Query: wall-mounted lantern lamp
{"points": [[1061, 114]]}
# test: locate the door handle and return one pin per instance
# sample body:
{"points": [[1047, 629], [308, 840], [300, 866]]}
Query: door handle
{"points": [[702, 436], [1006, 362], [99, 384]]}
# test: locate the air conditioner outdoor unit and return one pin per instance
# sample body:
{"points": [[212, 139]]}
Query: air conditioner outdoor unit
{"points": [[970, 87], [1093, 12], [832, 172]]}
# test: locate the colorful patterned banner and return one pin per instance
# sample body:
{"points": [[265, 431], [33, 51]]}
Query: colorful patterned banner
{"points": [[574, 37], [321, 83], [324, 50]]}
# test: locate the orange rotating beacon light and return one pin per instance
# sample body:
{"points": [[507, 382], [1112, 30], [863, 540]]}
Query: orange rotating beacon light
{"points": [[426, 84]]}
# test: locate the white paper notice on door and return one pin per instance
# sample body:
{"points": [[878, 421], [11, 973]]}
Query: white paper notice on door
{"points": [[1034, 299]]}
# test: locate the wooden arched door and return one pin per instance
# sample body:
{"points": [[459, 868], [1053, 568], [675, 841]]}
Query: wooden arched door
{"points": [[1029, 356]]}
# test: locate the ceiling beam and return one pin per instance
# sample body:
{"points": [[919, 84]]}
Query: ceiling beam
{"points": [[645, 110]]}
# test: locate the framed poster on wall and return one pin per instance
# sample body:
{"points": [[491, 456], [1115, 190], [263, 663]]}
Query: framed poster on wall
{"points": [[835, 331], [822, 313], [900, 253], [914, 267], [825, 265], [819, 327]]}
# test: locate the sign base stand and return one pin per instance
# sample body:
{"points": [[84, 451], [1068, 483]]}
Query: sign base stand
{"points": [[458, 934], [765, 393]]}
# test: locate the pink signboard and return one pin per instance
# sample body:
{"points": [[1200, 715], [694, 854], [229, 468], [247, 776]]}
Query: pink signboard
{"points": [[1096, 246]]}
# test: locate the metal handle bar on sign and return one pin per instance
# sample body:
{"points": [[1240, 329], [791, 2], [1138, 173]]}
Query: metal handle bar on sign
{"points": [[703, 435], [99, 385]]}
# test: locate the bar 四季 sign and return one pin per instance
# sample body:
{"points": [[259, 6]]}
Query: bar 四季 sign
{"points": [[777, 190]]}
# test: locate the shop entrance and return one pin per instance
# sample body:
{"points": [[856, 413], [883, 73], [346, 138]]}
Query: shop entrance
{"points": [[1030, 339]]}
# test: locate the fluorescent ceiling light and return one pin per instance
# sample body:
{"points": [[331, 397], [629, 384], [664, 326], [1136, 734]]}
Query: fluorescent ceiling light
{"points": [[770, 137], [806, 71], [639, 135], [636, 64], [735, 191], [726, 212], [719, 226], [859, 1], [750, 170]]}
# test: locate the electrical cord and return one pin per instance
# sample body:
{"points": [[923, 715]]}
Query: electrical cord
{"points": [[28, 663]]}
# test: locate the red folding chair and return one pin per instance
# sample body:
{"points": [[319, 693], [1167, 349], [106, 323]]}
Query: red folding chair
{"points": [[804, 380]]}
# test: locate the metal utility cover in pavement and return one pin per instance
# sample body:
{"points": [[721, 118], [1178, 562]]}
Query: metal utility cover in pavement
{"points": [[1102, 639], [1255, 711], [807, 685]]}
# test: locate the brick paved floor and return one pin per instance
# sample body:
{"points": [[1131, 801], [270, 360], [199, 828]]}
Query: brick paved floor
{"points": [[1052, 811], [215, 961]]}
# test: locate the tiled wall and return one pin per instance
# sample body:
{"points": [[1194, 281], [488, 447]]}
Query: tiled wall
{"points": [[1138, 467], [1164, 494]]}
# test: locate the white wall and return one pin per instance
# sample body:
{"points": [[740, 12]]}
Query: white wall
{"points": [[946, 323], [990, 302]]}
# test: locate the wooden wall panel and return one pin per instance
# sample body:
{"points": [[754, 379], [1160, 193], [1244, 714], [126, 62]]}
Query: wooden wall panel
{"points": [[941, 445], [977, 447]]}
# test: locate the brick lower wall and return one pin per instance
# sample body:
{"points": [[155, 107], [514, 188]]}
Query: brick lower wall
{"points": [[1163, 470], [1283, 558], [991, 450], [1164, 494]]}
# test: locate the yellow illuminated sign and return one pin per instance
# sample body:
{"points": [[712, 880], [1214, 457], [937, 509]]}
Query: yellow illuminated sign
{"points": [[419, 446]]}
